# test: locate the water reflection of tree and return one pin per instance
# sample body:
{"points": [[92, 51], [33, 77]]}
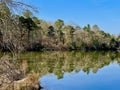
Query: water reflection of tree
{"points": [[61, 62]]}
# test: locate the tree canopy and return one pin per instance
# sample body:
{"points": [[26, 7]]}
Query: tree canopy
{"points": [[28, 32]]}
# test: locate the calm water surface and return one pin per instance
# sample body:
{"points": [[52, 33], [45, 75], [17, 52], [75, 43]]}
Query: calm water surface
{"points": [[76, 70], [108, 78]]}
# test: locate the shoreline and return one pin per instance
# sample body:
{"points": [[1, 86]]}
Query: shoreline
{"points": [[12, 76]]}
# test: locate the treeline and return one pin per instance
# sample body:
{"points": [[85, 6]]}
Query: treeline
{"points": [[28, 33]]}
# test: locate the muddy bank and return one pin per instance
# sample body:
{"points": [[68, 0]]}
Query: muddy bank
{"points": [[12, 77]]}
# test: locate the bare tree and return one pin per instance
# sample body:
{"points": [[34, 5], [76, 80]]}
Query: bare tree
{"points": [[10, 28]]}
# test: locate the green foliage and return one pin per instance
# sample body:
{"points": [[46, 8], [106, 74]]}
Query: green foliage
{"points": [[51, 31], [27, 23], [59, 24], [87, 28], [27, 32], [27, 14]]}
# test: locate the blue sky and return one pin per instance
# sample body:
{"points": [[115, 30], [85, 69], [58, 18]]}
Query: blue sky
{"points": [[104, 13]]}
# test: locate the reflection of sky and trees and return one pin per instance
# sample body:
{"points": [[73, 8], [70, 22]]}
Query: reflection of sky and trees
{"points": [[76, 70]]}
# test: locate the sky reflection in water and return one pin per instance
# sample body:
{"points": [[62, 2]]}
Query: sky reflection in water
{"points": [[107, 78]]}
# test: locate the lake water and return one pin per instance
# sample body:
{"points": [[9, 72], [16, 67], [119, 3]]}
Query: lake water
{"points": [[107, 78], [76, 70]]}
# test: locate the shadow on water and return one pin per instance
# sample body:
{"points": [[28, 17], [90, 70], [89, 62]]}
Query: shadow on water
{"points": [[58, 63]]}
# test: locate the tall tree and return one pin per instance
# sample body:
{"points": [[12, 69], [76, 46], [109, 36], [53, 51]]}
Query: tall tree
{"points": [[69, 32], [95, 28], [27, 22], [59, 25]]}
